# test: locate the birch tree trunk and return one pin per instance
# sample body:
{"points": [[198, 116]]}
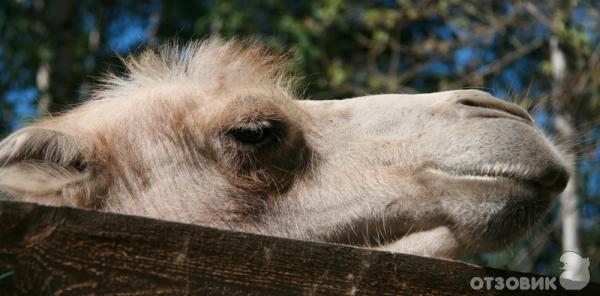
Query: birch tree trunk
{"points": [[569, 212]]}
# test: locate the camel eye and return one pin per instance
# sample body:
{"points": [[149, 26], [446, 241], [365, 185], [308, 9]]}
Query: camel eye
{"points": [[79, 165], [253, 133]]}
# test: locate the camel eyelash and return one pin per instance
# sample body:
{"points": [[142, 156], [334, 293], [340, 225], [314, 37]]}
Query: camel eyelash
{"points": [[253, 133]]}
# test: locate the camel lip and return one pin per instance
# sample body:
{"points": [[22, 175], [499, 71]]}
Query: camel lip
{"points": [[485, 171], [552, 179], [488, 175]]}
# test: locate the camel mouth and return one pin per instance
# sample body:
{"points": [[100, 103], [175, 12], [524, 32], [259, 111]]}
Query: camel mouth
{"points": [[499, 203], [551, 179], [483, 176]]}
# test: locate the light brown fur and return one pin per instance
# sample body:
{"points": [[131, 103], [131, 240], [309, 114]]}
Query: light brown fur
{"points": [[442, 174]]}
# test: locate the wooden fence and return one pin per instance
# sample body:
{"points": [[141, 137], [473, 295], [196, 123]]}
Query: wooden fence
{"points": [[64, 251]]}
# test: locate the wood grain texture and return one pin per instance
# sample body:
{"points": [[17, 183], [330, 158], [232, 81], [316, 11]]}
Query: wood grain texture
{"points": [[65, 251]]}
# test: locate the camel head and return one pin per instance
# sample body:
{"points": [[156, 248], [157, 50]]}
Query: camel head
{"points": [[212, 134]]}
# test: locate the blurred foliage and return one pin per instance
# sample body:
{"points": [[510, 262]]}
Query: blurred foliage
{"points": [[50, 52]]}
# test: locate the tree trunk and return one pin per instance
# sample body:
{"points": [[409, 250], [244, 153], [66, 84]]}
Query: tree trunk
{"points": [[57, 27], [568, 200]]}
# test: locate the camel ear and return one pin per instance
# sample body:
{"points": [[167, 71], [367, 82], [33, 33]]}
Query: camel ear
{"points": [[37, 164]]}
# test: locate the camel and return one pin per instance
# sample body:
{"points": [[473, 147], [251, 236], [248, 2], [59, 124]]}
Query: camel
{"points": [[214, 133]]}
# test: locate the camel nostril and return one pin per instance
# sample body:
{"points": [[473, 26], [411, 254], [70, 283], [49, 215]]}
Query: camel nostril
{"points": [[468, 102], [497, 105]]}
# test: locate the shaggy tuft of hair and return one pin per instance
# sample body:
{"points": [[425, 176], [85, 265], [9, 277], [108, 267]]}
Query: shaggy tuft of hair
{"points": [[208, 64]]}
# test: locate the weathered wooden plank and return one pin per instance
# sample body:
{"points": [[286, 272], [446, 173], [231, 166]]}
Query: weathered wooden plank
{"points": [[64, 251]]}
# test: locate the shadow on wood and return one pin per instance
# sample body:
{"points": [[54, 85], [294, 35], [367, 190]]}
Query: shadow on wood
{"points": [[65, 251]]}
